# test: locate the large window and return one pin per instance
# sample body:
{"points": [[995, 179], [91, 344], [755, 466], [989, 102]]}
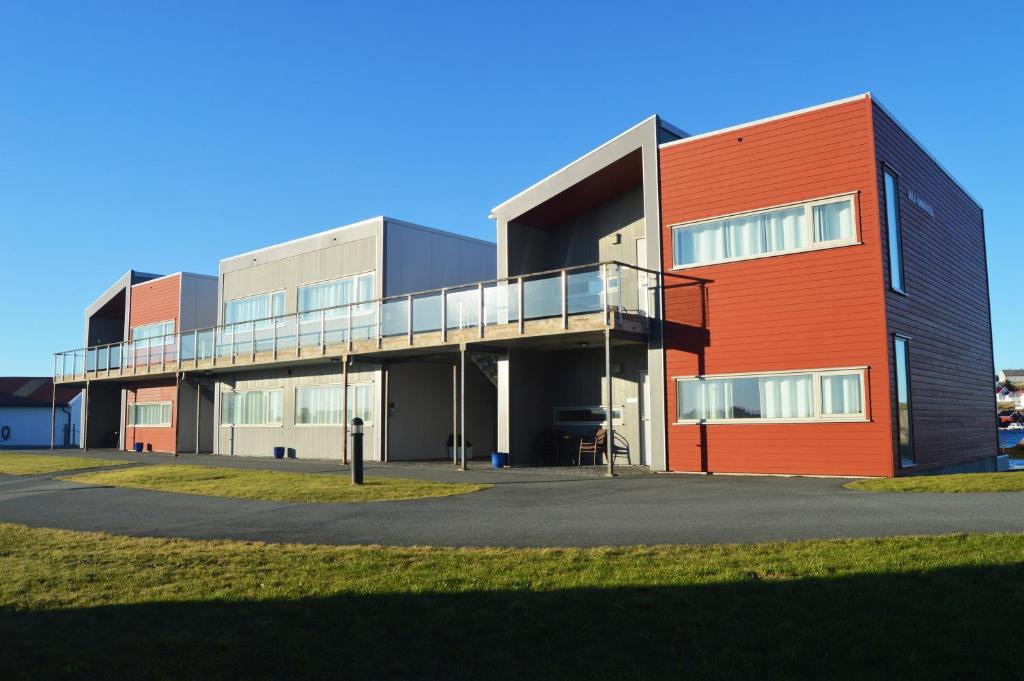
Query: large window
{"points": [[332, 295], [261, 306], [252, 407], [904, 416], [814, 224], [892, 221], [832, 395], [149, 414], [321, 405], [153, 335]]}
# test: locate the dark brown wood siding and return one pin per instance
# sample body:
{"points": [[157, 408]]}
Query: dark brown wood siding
{"points": [[945, 311]]}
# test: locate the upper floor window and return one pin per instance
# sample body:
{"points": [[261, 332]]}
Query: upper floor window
{"points": [[830, 395], [333, 295], [892, 221], [153, 335], [800, 227], [260, 306]]}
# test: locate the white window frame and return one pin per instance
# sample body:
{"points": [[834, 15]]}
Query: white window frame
{"points": [[816, 376], [617, 415], [348, 404], [266, 324], [266, 410], [355, 286], [808, 206], [170, 414]]}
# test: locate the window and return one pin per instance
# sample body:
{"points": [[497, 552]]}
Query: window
{"points": [[252, 407], [153, 335], [904, 416], [334, 294], [321, 405], [586, 416], [815, 224], [806, 396], [260, 306], [892, 221], [149, 414]]}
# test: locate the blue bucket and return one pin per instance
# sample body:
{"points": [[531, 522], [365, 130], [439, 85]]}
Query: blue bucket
{"points": [[498, 460], [278, 452], [138, 446]]}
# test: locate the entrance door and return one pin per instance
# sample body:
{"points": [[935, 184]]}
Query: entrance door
{"points": [[645, 419], [641, 278]]}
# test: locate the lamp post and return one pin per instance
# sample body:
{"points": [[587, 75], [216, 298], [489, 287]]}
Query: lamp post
{"points": [[357, 451]]}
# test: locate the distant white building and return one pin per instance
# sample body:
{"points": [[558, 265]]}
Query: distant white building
{"points": [[25, 413], [1014, 376]]}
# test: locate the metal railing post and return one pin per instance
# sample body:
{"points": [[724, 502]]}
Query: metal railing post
{"points": [[480, 310], [380, 323], [233, 344], [163, 353], [604, 291], [323, 328], [410, 320], [273, 342], [195, 348], [565, 299], [350, 328], [108, 359], [177, 337], [298, 339], [521, 299], [252, 341], [444, 316]]}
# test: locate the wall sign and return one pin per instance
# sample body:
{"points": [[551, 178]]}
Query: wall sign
{"points": [[921, 203]]}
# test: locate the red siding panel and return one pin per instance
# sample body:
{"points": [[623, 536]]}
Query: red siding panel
{"points": [[158, 438], [812, 310], [156, 301]]}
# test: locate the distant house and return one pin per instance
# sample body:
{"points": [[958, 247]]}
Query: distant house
{"points": [[1004, 395], [1013, 376], [25, 413]]}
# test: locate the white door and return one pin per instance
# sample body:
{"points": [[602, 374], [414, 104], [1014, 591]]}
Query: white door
{"points": [[645, 418], [641, 278]]}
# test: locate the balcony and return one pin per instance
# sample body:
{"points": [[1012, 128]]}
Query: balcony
{"points": [[609, 295]]}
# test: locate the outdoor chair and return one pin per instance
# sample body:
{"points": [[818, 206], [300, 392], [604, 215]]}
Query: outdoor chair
{"points": [[593, 444]]}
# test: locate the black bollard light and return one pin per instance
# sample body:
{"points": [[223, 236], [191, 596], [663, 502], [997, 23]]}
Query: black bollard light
{"points": [[357, 451]]}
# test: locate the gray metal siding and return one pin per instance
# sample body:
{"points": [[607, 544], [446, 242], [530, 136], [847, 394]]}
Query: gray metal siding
{"points": [[309, 442], [419, 259], [198, 304]]}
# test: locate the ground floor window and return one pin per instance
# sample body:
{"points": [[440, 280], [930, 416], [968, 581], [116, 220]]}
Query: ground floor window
{"points": [[819, 395], [318, 405], [262, 407], [904, 417], [149, 414]]}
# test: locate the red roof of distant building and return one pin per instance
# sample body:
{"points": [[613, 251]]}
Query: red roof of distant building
{"points": [[32, 391]]}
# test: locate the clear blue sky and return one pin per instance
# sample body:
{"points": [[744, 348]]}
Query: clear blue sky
{"points": [[165, 136]]}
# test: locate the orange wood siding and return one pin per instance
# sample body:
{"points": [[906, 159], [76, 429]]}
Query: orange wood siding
{"points": [[156, 301], [801, 311], [946, 310], [158, 438]]}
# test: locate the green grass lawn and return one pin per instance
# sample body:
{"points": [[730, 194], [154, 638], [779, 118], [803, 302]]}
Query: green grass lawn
{"points": [[1011, 481], [20, 463], [90, 606], [272, 485]]}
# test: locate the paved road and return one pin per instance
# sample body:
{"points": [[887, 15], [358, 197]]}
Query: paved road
{"points": [[528, 508]]}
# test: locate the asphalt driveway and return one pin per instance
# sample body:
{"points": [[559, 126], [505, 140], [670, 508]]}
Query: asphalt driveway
{"points": [[525, 508]]}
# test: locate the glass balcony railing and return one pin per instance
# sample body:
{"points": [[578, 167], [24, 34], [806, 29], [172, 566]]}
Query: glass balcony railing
{"points": [[611, 288]]}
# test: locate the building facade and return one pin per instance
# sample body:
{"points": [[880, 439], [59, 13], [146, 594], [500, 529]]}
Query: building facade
{"points": [[806, 294]]}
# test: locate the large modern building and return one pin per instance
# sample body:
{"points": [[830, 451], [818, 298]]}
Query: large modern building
{"points": [[805, 294]]}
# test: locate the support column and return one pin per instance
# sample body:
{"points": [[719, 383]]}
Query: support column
{"points": [[176, 410], [504, 415], [53, 414], [455, 412], [344, 410], [199, 402], [609, 411], [462, 405], [85, 417], [386, 413]]}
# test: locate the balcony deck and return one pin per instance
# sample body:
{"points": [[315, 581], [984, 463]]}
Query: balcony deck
{"points": [[293, 340]]}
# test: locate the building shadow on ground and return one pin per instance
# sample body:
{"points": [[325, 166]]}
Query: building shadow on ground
{"points": [[955, 623]]}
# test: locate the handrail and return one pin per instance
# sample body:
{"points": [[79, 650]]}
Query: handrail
{"points": [[377, 304]]}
